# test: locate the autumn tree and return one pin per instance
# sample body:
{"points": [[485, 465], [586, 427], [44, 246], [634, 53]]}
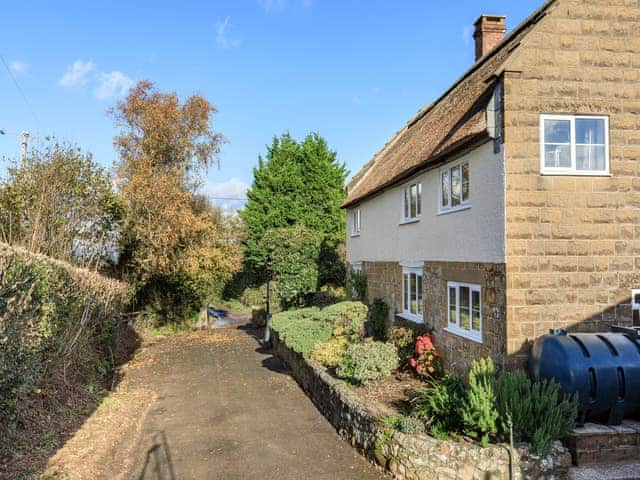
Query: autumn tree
{"points": [[172, 238], [60, 203], [298, 184]]}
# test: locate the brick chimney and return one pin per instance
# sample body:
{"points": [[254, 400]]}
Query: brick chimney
{"points": [[489, 31]]}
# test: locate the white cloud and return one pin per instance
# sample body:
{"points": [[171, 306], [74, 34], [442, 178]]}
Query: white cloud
{"points": [[467, 35], [223, 39], [76, 74], [229, 195], [19, 67], [111, 85]]}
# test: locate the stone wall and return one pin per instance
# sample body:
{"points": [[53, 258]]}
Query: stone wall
{"points": [[384, 280], [458, 351], [411, 457], [572, 241]]}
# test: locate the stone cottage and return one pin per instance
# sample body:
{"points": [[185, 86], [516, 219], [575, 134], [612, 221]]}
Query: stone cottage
{"points": [[511, 204]]}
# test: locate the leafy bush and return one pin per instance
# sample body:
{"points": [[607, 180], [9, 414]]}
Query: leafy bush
{"points": [[438, 405], [538, 411], [427, 362], [368, 361], [402, 338], [347, 319], [57, 323], [377, 317], [301, 329], [411, 425], [357, 285], [329, 353], [478, 411]]}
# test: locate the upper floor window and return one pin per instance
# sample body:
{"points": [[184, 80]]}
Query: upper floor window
{"points": [[412, 305], [574, 145], [412, 201], [454, 187], [465, 310], [355, 222]]}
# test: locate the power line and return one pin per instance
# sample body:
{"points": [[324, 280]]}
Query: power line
{"points": [[24, 97]]}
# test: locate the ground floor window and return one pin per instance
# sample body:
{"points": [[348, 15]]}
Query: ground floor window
{"points": [[412, 304], [465, 310]]}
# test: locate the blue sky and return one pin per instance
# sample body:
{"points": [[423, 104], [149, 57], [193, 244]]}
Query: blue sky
{"points": [[354, 71]]}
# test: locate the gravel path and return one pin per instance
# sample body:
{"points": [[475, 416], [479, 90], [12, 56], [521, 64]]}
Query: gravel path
{"points": [[225, 409]]}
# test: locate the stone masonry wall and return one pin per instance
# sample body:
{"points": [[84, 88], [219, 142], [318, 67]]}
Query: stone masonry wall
{"points": [[572, 241], [412, 457]]}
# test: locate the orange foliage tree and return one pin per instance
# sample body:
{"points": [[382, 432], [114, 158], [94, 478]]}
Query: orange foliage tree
{"points": [[174, 239]]}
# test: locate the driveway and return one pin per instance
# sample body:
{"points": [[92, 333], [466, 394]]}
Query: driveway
{"points": [[226, 409]]}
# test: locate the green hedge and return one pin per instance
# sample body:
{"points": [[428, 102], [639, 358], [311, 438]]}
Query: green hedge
{"points": [[56, 323]]}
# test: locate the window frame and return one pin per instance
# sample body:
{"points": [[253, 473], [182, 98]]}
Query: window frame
{"points": [[406, 197], [572, 171], [356, 222], [454, 327], [406, 313], [447, 169]]}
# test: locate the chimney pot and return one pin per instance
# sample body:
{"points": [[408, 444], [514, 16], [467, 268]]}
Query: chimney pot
{"points": [[489, 32]]}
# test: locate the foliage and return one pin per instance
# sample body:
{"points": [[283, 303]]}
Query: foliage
{"points": [[377, 317], [402, 338], [427, 361], [301, 329], [293, 252], [478, 411], [56, 324], [297, 183], [538, 411], [328, 295], [411, 425], [357, 285], [330, 352], [363, 362], [438, 405], [172, 238], [347, 319], [60, 203]]}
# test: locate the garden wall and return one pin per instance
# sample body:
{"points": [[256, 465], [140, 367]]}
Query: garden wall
{"points": [[411, 457]]}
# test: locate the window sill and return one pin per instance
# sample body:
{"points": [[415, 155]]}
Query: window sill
{"points": [[551, 173], [355, 235], [475, 337], [407, 221], [411, 317], [455, 209]]}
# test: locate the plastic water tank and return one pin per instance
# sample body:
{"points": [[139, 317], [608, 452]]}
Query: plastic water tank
{"points": [[602, 368]]}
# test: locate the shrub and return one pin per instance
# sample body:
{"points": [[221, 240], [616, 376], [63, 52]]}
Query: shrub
{"points": [[357, 285], [438, 405], [478, 410], [538, 411], [347, 319], [301, 329], [411, 425], [367, 361], [402, 338], [377, 316], [426, 362], [330, 352]]}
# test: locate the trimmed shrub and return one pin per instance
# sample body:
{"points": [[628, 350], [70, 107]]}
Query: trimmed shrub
{"points": [[402, 338], [57, 323], [411, 425], [438, 405], [367, 361], [539, 412], [347, 319], [478, 411], [301, 329], [329, 353], [377, 316]]}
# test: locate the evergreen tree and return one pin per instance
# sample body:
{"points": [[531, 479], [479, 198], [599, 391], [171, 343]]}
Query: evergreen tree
{"points": [[302, 184]]}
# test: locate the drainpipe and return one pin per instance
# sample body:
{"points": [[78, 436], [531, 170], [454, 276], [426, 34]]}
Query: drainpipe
{"points": [[267, 328], [511, 458]]}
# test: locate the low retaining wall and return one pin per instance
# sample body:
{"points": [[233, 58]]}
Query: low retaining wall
{"points": [[412, 457]]}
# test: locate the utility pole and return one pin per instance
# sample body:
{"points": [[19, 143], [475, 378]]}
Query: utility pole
{"points": [[24, 143]]}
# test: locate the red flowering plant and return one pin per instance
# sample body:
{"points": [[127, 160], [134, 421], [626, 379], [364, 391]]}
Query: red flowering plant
{"points": [[426, 361]]}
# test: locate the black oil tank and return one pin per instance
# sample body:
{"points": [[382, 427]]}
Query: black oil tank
{"points": [[602, 368]]}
